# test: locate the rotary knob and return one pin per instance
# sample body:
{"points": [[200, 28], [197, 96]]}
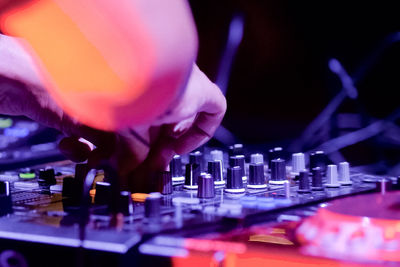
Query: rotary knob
{"points": [[278, 171], [196, 158], [317, 179], [318, 159], [191, 175], [206, 186], [332, 176], [5, 198], [344, 173], [298, 163], [103, 193], [152, 206], [239, 160], [275, 153], [304, 182], [257, 158], [164, 182], [175, 167], [47, 177], [215, 169], [234, 181], [256, 176]]}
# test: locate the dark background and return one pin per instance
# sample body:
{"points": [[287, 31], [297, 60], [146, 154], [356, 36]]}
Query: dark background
{"points": [[280, 79]]}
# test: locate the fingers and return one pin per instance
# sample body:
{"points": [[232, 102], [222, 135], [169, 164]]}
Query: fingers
{"points": [[74, 149]]}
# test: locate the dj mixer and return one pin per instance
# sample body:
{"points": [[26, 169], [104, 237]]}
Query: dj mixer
{"points": [[214, 207]]}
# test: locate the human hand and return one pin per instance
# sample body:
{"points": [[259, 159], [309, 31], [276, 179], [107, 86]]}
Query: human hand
{"points": [[190, 121]]}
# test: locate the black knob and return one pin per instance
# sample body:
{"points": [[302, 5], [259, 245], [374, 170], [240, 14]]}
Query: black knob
{"points": [[215, 169], [197, 158], [71, 193], [69, 187], [317, 179], [5, 188], [304, 182], [164, 182], [152, 206], [5, 198], [278, 171], [206, 186], [125, 203], [239, 160], [234, 181], [236, 149], [103, 193], [274, 153], [192, 173], [318, 159], [81, 170], [256, 176], [175, 167], [47, 177]]}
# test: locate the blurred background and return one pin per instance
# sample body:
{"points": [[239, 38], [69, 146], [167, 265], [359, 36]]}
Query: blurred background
{"points": [[280, 79]]}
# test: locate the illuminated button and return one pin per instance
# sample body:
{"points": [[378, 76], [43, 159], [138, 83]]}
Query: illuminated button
{"points": [[5, 123], [92, 192], [27, 175], [139, 197]]}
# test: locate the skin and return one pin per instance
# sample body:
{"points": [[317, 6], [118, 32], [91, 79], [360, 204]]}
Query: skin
{"points": [[189, 122]]}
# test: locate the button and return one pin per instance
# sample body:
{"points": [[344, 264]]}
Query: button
{"points": [[139, 197], [27, 174]]}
